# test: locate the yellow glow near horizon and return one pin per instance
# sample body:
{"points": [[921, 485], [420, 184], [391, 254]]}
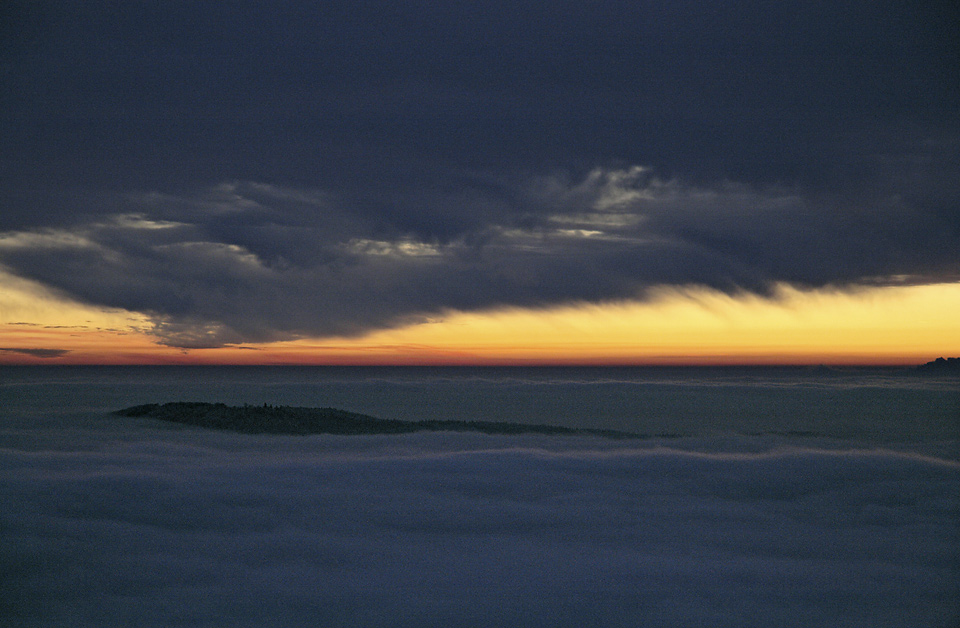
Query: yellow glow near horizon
{"points": [[890, 325], [898, 325]]}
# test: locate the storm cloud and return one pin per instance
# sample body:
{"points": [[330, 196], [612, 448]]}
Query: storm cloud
{"points": [[247, 261], [271, 171]]}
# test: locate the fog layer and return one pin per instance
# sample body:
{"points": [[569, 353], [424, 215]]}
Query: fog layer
{"points": [[153, 525]]}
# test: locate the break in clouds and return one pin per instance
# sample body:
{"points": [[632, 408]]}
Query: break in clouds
{"points": [[251, 262]]}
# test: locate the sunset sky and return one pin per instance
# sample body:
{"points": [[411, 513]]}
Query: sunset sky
{"points": [[479, 183]]}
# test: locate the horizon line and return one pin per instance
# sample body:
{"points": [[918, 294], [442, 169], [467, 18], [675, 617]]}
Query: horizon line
{"points": [[892, 364]]}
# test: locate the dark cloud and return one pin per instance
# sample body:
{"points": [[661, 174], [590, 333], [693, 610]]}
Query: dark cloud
{"points": [[249, 261], [37, 353], [262, 90], [270, 170]]}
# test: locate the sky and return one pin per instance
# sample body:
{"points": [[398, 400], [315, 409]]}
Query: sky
{"points": [[490, 182]]}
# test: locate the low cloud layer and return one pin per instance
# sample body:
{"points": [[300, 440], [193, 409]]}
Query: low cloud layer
{"points": [[159, 527], [112, 521]]}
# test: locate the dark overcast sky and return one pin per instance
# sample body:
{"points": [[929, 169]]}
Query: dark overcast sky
{"points": [[250, 171]]}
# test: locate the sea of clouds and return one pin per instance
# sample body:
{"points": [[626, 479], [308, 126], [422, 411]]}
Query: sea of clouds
{"points": [[118, 522]]}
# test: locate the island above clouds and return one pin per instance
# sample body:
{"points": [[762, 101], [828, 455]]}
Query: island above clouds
{"points": [[941, 365], [267, 419]]}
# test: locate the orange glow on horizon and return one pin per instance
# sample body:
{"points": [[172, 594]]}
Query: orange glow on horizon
{"points": [[690, 326]]}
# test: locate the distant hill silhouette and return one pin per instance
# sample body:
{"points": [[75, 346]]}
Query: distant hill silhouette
{"points": [[941, 365], [268, 419]]}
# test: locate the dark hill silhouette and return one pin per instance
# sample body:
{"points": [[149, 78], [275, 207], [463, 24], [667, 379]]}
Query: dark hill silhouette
{"points": [[941, 365], [268, 419]]}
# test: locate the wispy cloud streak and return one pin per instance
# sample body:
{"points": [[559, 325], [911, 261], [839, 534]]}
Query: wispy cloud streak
{"points": [[37, 353]]}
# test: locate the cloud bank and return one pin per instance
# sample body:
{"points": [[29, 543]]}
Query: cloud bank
{"points": [[252, 262], [169, 527]]}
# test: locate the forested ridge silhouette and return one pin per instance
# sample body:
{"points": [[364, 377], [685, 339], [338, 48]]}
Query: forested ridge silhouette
{"points": [[268, 419]]}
